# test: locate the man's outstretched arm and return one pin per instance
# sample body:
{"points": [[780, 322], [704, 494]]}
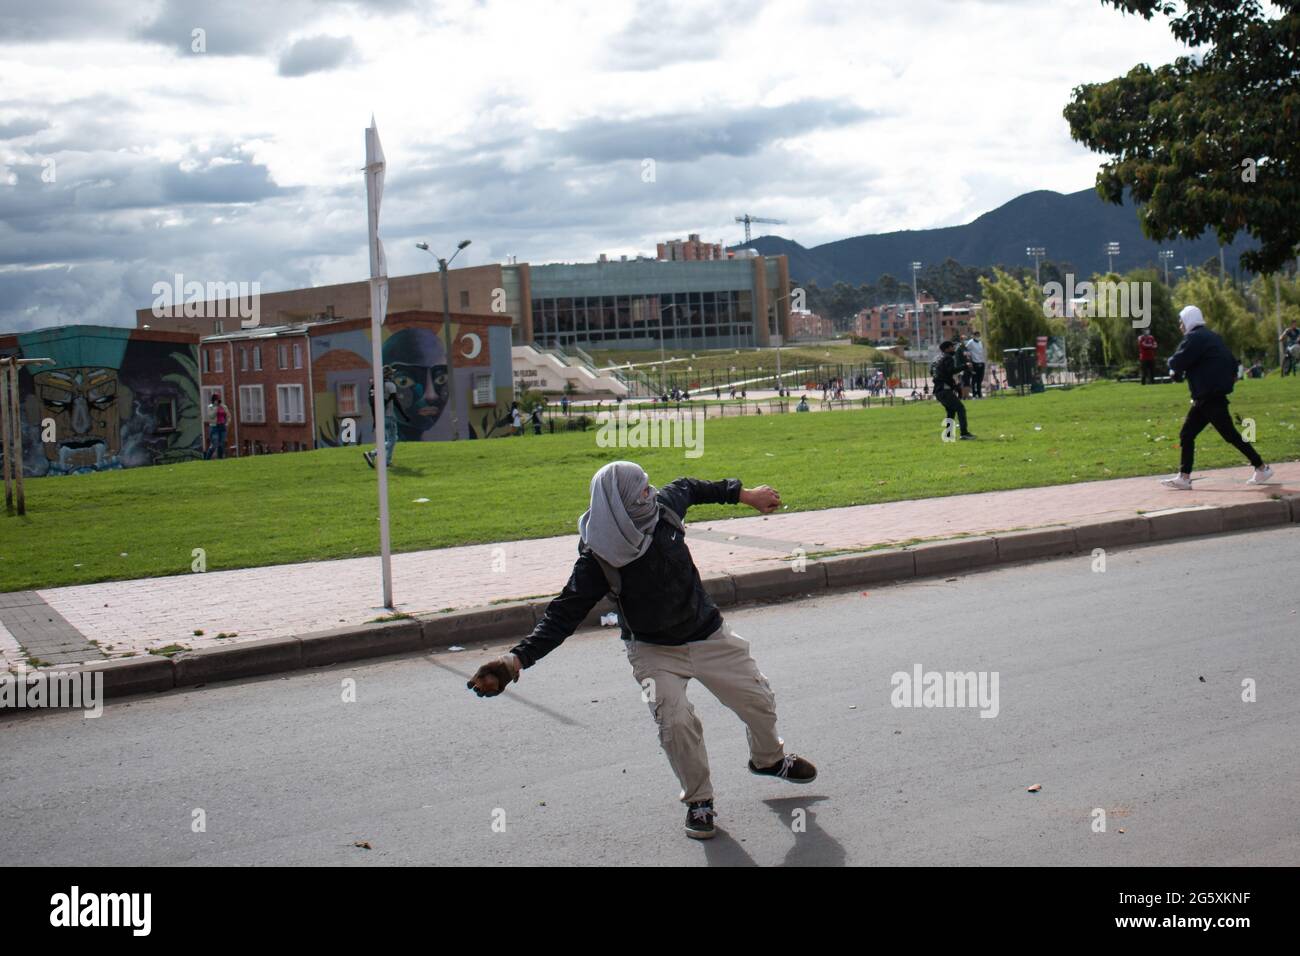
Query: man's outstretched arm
{"points": [[586, 586], [684, 492]]}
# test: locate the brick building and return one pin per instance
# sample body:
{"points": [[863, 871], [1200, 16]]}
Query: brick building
{"points": [[885, 324], [263, 376], [296, 387], [677, 250], [810, 325]]}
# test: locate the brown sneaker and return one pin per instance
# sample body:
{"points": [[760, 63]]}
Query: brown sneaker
{"points": [[791, 767]]}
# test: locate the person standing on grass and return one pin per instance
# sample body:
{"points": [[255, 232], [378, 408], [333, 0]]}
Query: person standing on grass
{"points": [[975, 349], [1203, 358], [217, 435], [633, 547], [390, 419], [944, 373], [536, 418], [1147, 357]]}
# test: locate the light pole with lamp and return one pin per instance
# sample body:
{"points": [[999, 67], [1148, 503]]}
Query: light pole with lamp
{"points": [[663, 362], [446, 329], [1165, 256], [916, 304], [1037, 252], [1112, 250], [780, 339]]}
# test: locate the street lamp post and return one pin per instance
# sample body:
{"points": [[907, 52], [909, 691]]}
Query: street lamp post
{"points": [[1112, 250], [1037, 252], [663, 362], [443, 265], [916, 304], [1165, 256]]}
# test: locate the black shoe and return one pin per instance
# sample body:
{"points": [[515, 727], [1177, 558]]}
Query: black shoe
{"points": [[699, 820], [369, 461], [791, 767], [968, 437]]}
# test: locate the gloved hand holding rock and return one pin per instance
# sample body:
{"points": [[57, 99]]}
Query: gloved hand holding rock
{"points": [[492, 678]]}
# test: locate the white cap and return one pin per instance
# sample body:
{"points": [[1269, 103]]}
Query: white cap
{"points": [[1191, 317]]}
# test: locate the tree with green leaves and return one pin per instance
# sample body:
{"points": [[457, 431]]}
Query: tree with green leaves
{"points": [[1212, 140], [1013, 311]]}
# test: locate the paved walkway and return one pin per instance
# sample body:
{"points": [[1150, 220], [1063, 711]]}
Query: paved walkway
{"points": [[129, 617]]}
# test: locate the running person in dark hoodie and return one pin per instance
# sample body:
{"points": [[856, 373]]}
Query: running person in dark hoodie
{"points": [[1203, 358], [632, 547]]}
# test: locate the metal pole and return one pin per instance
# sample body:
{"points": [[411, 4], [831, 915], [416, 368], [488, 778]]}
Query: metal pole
{"points": [[4, 435], [16, 436], [1277, 298], [446, 335], [916, 309], [378, 310]]}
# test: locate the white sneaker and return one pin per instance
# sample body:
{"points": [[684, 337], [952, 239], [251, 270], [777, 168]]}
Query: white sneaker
{"points": [[1261, 476], [1177, 482]]}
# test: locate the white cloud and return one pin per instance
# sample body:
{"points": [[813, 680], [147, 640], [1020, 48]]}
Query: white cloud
{"points": [[516, 125]]}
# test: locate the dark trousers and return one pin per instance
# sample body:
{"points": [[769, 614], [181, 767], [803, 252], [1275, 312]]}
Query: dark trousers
{"points": [[1148, 371], [1212, 410], [953, 406], [216, 442], [977, 380]]}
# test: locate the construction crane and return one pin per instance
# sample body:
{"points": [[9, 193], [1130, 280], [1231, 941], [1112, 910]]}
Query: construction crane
{"points": [[747, 219]]}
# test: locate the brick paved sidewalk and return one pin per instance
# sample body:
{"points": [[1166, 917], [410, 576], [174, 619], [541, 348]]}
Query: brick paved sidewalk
{"points": [[128, 617]]}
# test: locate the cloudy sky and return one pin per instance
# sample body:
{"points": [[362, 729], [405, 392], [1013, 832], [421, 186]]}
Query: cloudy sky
{"points": [[126, 156]]}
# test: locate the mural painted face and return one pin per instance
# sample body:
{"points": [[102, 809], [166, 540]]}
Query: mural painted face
{"points": [[84, 405], [419, 365], [421, 396]]}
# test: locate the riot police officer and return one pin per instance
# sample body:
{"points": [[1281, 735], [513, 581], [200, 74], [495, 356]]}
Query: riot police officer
{"points": [[944, 372]]}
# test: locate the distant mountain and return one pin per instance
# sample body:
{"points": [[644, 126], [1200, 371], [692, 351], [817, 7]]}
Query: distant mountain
{"points": [[1074, 227]]}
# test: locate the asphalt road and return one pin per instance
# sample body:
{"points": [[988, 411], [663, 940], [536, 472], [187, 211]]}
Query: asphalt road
{"points": [[1119, 690]]}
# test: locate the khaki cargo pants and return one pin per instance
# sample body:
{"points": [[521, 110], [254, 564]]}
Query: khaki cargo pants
{"points": [[721, 663]]}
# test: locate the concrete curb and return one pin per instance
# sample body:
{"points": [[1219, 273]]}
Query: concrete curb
{"points": [[151, 674]]}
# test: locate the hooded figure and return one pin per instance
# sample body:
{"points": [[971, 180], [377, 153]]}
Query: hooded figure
{"points": [[1205, 360], [634, 551], [619, 525], [1191, 317]]}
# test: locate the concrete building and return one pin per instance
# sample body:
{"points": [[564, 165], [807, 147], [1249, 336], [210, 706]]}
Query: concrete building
{"points": [[727, 303], [480, 290], [733, 302]]}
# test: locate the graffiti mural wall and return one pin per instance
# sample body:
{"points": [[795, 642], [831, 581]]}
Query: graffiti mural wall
{"points": [[112, 398], [414, 352]]}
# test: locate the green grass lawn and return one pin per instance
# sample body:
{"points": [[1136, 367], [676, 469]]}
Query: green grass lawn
{"points": [[722, 360], [322, 504]]}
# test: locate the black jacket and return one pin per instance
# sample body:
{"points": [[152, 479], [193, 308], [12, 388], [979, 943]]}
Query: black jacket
{"points": [[1203, 358], [943, 371], [661, 598]]}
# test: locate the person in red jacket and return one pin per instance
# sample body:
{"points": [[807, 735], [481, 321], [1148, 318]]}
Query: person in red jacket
{"points": [[1147, 356]]}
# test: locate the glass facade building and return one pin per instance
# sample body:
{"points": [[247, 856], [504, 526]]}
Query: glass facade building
{"points": [[624, 305]]}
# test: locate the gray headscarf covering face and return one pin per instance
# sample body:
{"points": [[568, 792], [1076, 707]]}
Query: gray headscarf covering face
{"points": [[620, 523]]}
